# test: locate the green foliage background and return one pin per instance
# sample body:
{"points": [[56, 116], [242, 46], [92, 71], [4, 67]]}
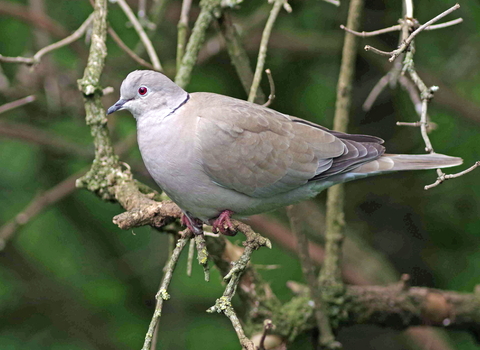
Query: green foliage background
{"points": [[70, 279]]}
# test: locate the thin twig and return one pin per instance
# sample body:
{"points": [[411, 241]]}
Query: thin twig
{"points": [[376, 91], [66, 41], [162, 294], [15, 104], [46, 199], [377, 51], [445, 25], [452, 176], [267, 326], [191, 252], [333, 2], [127, 50], [182, 31], [407, 42], [415, 124], [374, 33], [271, 97], [141, 33], [262, 54], [399, 27]]}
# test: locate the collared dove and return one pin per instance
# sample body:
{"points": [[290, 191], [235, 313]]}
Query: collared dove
{"points": [[216, 156]]}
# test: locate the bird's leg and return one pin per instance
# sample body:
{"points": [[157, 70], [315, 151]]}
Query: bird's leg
{"points": [[195, 225], [224, 224]]}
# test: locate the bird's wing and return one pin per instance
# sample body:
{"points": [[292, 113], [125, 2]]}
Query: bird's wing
{"points": [[260, 152]]}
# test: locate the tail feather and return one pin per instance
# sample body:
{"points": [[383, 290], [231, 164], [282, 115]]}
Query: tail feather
{"points": [[399, 162]]}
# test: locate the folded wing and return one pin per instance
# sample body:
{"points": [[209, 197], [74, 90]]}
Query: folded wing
{"points": [[260, 152]]}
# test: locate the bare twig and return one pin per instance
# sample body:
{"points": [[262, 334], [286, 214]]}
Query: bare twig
{"points": [[271, 97], [162, 294], [15, 104], [46, 199], [376, 91], [407, 42], [398, 27], [374, 33], [445, 25], [415, 124], [66, 41], [267, 326], [395, 53], [182, 31], [127, 50], [444, 177], [262, 54], [333, 2], [141, 33]]}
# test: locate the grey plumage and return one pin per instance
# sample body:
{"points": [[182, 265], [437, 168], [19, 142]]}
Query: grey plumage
{"points": [[212, 153]]}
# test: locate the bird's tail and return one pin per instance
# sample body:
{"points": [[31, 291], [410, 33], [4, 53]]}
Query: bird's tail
{"points": [[399, 162]]}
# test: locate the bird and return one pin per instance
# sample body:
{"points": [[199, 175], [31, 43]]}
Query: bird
{"points": [[219, 157]]}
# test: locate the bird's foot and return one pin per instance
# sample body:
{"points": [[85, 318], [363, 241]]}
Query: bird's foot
{"points": [[195, 225], [223, 224]]}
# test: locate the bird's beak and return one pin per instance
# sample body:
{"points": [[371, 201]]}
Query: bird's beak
{"points": [[117, 106]]}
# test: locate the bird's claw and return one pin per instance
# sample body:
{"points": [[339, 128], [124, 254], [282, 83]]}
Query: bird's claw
{"points": [[223, 224], [193, 224]]}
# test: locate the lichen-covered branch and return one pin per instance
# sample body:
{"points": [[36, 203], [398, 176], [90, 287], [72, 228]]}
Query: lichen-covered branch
{"points": [[331, 272], [396, 306], [206, 16], [162, 294]]}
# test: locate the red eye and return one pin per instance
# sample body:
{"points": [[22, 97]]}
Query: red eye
{"points": [[142, 90]]}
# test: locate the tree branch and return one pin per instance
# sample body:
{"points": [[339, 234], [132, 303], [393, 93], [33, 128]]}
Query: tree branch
{"points": [[331, 271], [18, 103], [141, 33], [208, 7], [326, 339], [182, 31], [162, 294], [37, 57], [238, 55], [262, 53], [128, 51]]}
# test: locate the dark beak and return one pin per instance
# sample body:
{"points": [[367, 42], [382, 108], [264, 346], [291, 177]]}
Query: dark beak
{"points": [[117, 106]]}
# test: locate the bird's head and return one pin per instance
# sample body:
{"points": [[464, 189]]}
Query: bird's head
{"points": [[145, 91]]}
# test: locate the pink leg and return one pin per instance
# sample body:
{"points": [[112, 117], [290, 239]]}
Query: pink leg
{"points": [[195, 225], [224, 224]]}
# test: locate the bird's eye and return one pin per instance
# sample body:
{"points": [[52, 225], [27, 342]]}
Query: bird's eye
{"points": [[142, 90]]}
